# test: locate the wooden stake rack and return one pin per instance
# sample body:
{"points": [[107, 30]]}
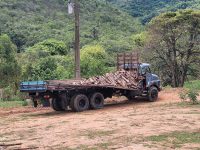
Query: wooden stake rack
{"points": [[128, 61]]}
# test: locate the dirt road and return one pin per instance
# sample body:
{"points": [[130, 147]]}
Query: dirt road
{"points": [[120, 125]]}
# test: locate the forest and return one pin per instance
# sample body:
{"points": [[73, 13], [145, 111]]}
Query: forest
{"points": [[37, 38], [145, 10]]}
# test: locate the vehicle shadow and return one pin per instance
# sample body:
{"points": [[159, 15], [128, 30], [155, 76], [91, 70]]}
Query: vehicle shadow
{"points": [[108, 105]]}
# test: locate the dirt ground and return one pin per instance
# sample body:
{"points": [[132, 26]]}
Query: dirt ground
{"points": [[122, 125]]}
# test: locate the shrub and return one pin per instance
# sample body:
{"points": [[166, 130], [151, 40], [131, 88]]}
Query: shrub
{"points": [[183, 95], [192, 95], [9, 94], [25, 103]]}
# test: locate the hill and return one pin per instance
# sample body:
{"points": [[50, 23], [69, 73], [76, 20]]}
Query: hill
{"points": [[28, 22], [147, 9]]}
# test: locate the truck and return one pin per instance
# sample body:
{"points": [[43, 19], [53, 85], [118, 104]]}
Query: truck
{"points": [[78, 97]]}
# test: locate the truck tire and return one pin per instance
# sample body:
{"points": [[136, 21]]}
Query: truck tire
{"points": [[153, 94], [97, 101], [130, 96], [64, 101], [57, 105], [79, 103]]}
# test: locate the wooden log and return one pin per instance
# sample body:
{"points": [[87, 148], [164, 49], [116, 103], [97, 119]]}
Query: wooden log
{"points": [[121, 78]]}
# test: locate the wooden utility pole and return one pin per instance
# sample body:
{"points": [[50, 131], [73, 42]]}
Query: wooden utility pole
{"points": [[77, 39]]}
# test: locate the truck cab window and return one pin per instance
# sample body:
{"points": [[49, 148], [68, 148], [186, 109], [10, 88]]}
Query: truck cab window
{"points": [[148, 70], [145, 70]]}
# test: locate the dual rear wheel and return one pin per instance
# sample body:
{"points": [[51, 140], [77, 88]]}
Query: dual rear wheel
{"points": [[81, 102]]}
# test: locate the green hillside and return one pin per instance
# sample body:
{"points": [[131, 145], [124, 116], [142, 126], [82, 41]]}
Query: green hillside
{"points": [[31, 21], [147, 9]]}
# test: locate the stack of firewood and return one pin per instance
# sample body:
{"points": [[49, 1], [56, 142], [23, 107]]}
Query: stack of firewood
{"points": [[124, 79]]}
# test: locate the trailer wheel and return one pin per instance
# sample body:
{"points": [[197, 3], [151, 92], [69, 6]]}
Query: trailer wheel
{"points": [[79, 103], [153, 94], [57, 105], [97, 101]]}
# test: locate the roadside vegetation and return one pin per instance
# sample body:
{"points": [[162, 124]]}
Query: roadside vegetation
{"points": [[191, 92], [12, 104], [195, 84]]}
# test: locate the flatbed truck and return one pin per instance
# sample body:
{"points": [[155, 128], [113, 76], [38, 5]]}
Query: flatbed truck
{"points": [[83, 97]]}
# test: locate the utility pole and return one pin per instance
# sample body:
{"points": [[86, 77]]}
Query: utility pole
{"points": [[77, 39]]}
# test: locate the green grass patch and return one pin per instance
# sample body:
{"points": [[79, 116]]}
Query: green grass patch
{"points": [[193, 84], [12, 104], [176, 139], [186, 104]]}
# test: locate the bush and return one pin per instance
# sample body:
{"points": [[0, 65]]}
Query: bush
{"points": [[183, 95], [25, 103], [10, 95], [7, 93], [190, 94]]}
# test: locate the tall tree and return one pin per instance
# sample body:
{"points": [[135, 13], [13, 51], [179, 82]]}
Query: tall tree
{"points": [[9, 68], [174, 44], [93, 60]]}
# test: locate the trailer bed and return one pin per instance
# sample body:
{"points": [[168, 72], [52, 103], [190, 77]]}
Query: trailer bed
{"points": [[62, 85]]}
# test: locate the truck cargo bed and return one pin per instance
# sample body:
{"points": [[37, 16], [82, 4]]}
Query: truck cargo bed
{"points": [[62, 85]]}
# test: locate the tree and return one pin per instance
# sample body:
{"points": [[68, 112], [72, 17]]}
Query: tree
{"points": [[93, 60], [139, 39], [47, 60], [174, 44], [10, 71], [51, 47]]}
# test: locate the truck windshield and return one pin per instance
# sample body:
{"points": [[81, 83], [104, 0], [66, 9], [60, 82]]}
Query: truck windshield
{"points": [[145, 70]]}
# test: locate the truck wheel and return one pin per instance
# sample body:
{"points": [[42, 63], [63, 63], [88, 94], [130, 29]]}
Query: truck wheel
{"points": [[57, 105], [64, 101], [153, 94], [97, 101], [130, 96], [79, 103]]}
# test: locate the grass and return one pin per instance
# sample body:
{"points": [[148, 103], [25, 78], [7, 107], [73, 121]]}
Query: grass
{"points": [[176, 139], [100, 146], [187, 104], [193, 84], [11, 104], [94, 134]]}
